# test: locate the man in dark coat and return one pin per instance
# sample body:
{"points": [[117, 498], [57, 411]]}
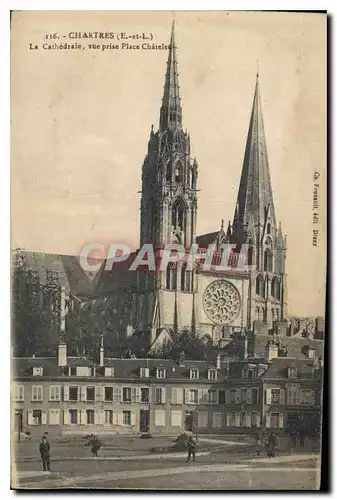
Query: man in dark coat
{"points": [[191, 446], [45, 454]]}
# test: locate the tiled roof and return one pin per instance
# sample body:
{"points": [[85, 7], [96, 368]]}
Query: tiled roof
{"points": [[123, 368], [71, 275], [279, 366], [295, 346]]}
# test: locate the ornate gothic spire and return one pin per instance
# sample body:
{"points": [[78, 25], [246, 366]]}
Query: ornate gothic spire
{"points": [[170, 111], [255, 192]]}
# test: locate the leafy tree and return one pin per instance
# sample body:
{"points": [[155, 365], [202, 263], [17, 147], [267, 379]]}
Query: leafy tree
{"points": [[35, 311], [187, 342]]}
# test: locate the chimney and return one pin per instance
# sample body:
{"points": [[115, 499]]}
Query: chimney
{"points": [[271, 351], [62, 354], [182, 359], [218, 361], [101, 353]]}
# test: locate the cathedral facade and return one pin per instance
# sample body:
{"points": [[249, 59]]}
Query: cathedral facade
{"points": [[213, 303]]}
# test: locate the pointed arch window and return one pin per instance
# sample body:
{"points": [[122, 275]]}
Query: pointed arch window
{"points": [[268, 261], [185, 278], [169, 172], [268, 228], [178, 172], [275, 288], [250, 254], [178, 216], [260, 286], [171, 276]]}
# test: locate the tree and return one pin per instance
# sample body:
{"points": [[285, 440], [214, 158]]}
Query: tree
{"points": [[35, 311], [187, 342]]}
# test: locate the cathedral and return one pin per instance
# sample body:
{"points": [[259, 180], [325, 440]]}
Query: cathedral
{"points": [[214, 304]]}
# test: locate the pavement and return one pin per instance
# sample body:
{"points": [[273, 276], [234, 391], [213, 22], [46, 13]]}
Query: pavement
{"points": [[222, 469]]}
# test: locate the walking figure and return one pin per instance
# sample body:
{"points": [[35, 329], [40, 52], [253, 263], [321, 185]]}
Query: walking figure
{"points": [[271, 446], [191, 446], [302, 437], [45, 454], [258, 445], [293, 438], [95, 444]]}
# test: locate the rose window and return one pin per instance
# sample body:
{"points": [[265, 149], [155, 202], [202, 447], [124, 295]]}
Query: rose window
{"points": [[221, 302]]}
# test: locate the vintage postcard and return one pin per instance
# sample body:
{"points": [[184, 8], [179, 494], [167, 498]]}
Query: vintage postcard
{"points": [[168, 249]]}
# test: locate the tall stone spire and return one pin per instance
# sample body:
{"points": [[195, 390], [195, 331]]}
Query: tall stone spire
{"points": [[255, 197], [170, 111]]}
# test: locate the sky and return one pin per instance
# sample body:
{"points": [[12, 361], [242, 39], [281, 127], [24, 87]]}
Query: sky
{"points": [[81, 122]]}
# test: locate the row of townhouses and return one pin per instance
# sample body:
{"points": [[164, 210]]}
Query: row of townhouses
{"points": [[74, 395]]}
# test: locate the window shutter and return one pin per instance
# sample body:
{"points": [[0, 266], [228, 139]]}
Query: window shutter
{"points": [[237, 419], [249, 396], [258, 420], [203, 397], [99, 417], [82, 417], [118, 393], [312, 398], [133, 419], [180, 396], [282, 397], [228, 396], [51, 392], [54, 417], [268, 420], [119, 418], [163, 395], [174, 395], [98, 393], [228, 419], [281, 420], [66, 419], [66, 393], [133, 394], [137, 394], [114, 418], [187, 396], [83, 393], [44, 417], [30, 417], [268, 396], [216, 398], [248, 420]]}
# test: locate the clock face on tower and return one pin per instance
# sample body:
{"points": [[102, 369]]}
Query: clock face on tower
{"points": [[221, 302]]}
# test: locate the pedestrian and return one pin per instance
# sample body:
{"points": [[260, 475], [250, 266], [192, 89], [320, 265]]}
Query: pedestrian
{"points": [[271, 445], [258, 445], [191, 446], [45, 454], [95, 446], [293, 438]]}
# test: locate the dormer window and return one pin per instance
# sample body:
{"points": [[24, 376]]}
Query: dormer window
{"points": [[212, 374], [37, 371], [108, 371], [292, 372], [161, 373], [72, 371], [194, 373], [144, 372]]}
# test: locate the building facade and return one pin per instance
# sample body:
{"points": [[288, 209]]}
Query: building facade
{"points": [[66, 395]]}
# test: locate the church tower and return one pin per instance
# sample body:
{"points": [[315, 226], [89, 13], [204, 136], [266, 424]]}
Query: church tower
{"points": [[255, 224], [169, 205], [168, 208]]}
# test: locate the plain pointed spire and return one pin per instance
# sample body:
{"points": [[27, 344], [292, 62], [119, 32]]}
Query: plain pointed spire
{"points": [[255, 192], [170, 112]]}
